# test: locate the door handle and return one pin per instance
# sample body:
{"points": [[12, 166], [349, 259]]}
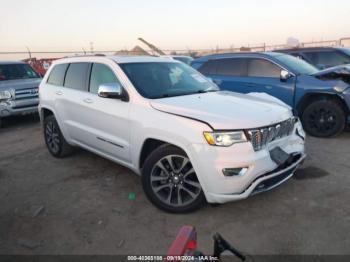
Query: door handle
{"points": [[88, 100], [59, 93], [250, 84]]}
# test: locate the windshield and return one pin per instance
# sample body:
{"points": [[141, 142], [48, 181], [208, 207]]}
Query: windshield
{"points": [[346, 51], [184, 59], [166, 79], [298, 66], [17, 71]]}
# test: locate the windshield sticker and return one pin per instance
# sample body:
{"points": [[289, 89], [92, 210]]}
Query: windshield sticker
{"points": [[199, 78]]}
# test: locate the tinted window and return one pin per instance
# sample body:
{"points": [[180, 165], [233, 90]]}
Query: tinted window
{"points": [[327, 58], [17, 71], [56, 76], [208, 68], [232, 67], [162, 79], [76, 76], [101, 74], [263, 68]]}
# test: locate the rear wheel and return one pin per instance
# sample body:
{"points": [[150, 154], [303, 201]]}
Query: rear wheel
{"points": [[55, 142], [323, 118], [170, 182]]}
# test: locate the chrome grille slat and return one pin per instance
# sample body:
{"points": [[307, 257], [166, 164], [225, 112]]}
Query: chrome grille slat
{"points": [[26, 93], [263, 136]]}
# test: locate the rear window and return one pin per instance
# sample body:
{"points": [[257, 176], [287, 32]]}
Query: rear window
{"points": [[56, 76], [17, 71], [76, 76]]}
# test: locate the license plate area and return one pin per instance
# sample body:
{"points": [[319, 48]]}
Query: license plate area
{"points": [[279, 156]]}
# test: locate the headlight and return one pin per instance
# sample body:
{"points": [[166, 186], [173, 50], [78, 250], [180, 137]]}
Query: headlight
{"points": [[225, 138], [5, 95], [340, 89]]}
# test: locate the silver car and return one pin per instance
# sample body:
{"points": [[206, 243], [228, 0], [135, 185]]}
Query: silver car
{"points": [[18, 89]]}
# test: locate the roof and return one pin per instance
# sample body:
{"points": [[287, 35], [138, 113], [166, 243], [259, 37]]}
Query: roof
{"points": [[11, 62], [117, 59], [238, 54], [320, 48]]}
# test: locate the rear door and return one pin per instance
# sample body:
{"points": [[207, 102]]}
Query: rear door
{"points": [[228, 73], [69, 100]]}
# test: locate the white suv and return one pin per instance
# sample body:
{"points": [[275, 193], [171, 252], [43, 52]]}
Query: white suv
{"points": [[189, 141]]}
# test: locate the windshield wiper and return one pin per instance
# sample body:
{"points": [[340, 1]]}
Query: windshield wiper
{"points": [[207, 91]]}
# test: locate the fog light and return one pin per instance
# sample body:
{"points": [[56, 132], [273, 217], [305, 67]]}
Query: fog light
{"points": [[234, 171]]}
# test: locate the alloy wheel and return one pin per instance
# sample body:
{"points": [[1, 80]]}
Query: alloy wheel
{"points": [[174, 181]]}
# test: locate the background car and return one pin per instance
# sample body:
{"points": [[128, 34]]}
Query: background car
{"points": [[18, 89], [321, 57], [320, 98]]}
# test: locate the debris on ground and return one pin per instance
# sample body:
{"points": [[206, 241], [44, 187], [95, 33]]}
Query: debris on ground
{"points": [[27, 243], [132, 196], [121, 243], [38, 211]]}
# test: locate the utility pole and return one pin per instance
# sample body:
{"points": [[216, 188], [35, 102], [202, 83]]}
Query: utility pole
{"points": [[30, 54]]}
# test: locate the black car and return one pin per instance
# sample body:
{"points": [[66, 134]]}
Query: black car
{"points": [[321, 57]]}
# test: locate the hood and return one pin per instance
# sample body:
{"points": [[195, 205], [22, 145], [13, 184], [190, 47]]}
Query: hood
{"points": [[225, 110], [340, 73], [20, 83]]}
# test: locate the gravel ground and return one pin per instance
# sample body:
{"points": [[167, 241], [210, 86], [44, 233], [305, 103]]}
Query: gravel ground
{"points": [[81, 205]]}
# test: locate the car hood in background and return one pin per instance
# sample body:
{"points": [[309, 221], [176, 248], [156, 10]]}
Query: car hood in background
{"points": [[20, 83], [337, 73], [225, 110]]}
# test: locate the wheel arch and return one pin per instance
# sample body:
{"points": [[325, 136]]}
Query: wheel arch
{"points": [[312, 97], [150, 144]]}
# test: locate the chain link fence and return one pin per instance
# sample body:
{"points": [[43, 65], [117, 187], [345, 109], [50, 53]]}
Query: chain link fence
{"points": [[41, 60]]}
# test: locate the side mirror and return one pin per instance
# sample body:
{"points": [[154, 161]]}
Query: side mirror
{"points": [[285, 75], [110, 90]]}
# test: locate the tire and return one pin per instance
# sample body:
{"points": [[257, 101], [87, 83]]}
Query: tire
{"points": [[169, 181], [55, 142], [1, 123], [323, 118]]}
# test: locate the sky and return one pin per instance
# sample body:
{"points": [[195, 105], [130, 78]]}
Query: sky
{"points": [[61, 25]]}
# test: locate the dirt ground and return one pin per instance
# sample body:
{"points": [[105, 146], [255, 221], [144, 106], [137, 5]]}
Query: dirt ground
{"points": [[81, 205]]}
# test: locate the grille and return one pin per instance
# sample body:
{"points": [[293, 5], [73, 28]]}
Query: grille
{"points": [[263, 136], [26, 93]]}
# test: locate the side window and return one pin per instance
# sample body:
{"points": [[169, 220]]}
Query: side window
{"points": [[56, 76], [76, 76], [208, 68], [326, 58], [263, 68], [101, 74], [232, 67]]}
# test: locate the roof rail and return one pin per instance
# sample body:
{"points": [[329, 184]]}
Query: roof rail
{"points": [[84, 55]]}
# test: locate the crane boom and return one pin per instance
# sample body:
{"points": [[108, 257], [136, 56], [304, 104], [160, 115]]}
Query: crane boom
{"points": [[153, 47]]}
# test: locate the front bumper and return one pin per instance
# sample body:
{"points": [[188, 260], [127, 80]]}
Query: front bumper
{"points": [[261, 174], [21, 107], [263, 183]]}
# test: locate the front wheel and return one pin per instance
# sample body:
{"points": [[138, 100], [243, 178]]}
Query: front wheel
{"points": [[323, 118], [170, 182]]}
